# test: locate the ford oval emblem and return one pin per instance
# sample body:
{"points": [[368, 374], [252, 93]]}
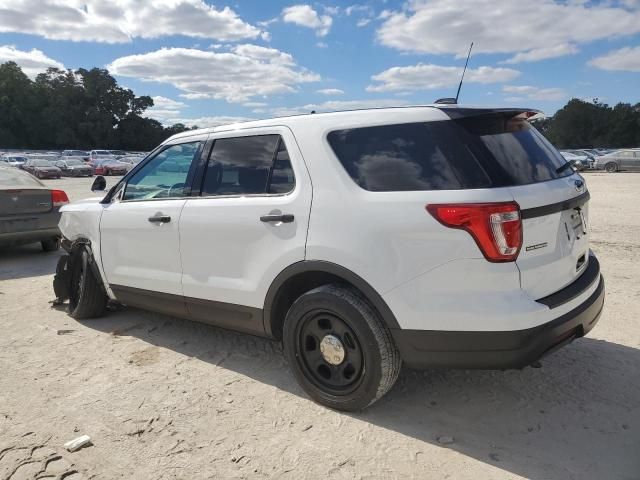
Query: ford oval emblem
{"points": [[579, 184]]}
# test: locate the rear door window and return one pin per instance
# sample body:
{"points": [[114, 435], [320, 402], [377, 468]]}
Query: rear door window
{"points": [[250, 165]]}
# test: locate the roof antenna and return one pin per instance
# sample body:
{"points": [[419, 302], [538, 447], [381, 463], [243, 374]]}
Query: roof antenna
{"points": [[454, 101], [463, 72]]}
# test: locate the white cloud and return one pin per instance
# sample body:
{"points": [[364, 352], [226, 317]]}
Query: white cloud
{"points": [[357, 8], [255, 104], [365, 10], [32, 62], [118, 21], [627, 59], [528, 92], [238, 76], [538, 54], [428, 76], [337, 105], [501, 26], [164, 109], [306, 16], [264, 54], [331, 91]]}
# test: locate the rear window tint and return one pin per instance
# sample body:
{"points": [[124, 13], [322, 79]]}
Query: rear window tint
{"points": [[410, 156], [490, 150]]}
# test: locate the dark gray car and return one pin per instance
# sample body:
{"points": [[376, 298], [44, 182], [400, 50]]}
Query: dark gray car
{"points": [[625, 159], [74, 168], [29, 211], [42, 168]]}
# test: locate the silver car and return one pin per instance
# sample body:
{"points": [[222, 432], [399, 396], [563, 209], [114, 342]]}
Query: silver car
{"points": [[29, 211], [13, 160], [625, 159]]}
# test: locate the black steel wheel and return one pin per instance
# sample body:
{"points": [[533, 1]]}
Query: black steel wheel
{"points": [[340, 350], [611, 167], [329, 352]]}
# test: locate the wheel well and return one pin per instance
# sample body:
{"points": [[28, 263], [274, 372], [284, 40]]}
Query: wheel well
{"points": [[291, 289], [302, 277]]}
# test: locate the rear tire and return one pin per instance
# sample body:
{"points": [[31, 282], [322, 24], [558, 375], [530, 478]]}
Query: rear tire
{"points": [[50, 245], [611, 167], [87, 299], [366, 363]]}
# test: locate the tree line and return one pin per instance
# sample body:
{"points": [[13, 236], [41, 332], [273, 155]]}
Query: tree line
{"points": [[81, 109], [581, 124], [86, 109]]}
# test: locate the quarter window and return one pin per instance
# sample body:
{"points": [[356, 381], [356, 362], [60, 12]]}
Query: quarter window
{"points": [[165, 175], [250, 165]]}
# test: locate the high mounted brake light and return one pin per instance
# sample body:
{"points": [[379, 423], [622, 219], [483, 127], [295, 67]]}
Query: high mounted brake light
{"points": [[59, 198], [496, 227]]}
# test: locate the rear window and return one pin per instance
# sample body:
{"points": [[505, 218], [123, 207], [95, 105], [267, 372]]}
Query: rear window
{"points": [[494, 150]]}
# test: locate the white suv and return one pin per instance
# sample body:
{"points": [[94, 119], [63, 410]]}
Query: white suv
{"points": [[437, 236]]}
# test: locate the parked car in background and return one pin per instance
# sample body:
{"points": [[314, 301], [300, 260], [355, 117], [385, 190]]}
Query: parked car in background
{"points": [[579, 162], [29, 211], [591, 157], [625, 159], [118, 153], [131, 161], [95, 155], [75, 154], [110, 166], [74, 167], [42, 169], [13, 160]]}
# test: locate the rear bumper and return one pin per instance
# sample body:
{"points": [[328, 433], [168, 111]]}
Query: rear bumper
{"points": [[29, 228], [502, 349]]}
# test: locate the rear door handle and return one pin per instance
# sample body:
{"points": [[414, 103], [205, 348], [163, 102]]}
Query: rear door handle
{"points": [[284, 218], [160, 219]]}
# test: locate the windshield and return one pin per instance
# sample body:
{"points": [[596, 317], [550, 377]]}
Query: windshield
{"points": [[74, 162]]}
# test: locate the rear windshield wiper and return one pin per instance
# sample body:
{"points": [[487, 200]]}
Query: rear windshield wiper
{"points": [[564, 166]]}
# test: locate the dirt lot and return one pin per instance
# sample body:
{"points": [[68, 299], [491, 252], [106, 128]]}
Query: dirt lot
{"points": [[167, 398]]}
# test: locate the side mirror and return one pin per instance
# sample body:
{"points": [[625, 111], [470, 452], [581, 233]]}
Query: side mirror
{"points": [[99, 184]]}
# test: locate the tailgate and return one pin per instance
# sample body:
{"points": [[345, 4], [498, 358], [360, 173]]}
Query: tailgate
{"points": [[24, 201], [555, 247]]}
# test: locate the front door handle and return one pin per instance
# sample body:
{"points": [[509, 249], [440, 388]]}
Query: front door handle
{"points": [[284, 218], [160, 219]]}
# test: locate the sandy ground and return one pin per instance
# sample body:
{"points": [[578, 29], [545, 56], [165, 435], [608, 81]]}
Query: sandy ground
{"points": [[167, 398]]}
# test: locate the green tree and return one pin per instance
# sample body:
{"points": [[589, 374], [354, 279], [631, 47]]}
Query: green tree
{"points": [[74, 109]]}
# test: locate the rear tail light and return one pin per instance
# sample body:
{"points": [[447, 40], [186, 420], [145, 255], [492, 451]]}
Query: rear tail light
{"points": [[496, 227], [59, 198]]}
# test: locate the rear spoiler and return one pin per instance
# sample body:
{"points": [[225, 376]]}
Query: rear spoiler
{"points": [[457, 112]]}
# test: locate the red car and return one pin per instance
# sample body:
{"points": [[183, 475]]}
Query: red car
{"points": [[109, 167]]}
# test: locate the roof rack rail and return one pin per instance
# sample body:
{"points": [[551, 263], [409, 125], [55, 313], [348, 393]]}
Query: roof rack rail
{"points": [[446, 101]]}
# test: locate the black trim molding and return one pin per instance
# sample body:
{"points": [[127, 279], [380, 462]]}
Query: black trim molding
{"points": [[555, 207], [573, 290], [225, 315]]}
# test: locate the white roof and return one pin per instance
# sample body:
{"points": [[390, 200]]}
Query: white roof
{"points": [[432, 111]]}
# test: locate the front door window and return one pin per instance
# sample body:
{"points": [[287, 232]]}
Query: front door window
{"points": [[164, 176]]}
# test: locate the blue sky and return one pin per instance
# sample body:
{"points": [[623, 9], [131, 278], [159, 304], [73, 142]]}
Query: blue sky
{"points": [[208, 62]]}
